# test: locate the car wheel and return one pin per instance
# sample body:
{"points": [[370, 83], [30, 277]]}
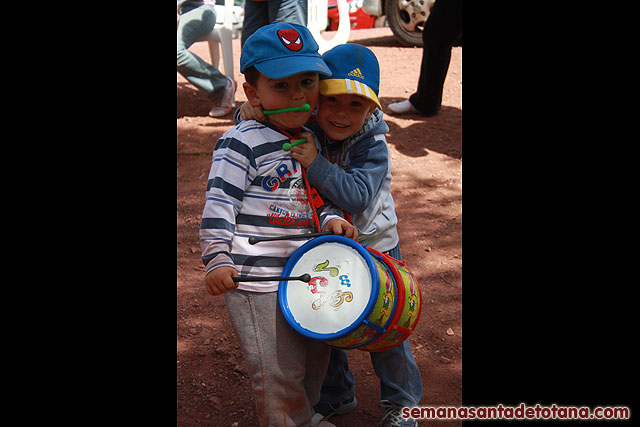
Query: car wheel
{"points": [[406, 19]]}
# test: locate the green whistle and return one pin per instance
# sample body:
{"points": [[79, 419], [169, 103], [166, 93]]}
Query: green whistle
{"points": [[303, 107], [287, 146]]}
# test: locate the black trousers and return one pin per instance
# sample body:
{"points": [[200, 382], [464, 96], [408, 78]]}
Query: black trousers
{"points": [[442, 30]]}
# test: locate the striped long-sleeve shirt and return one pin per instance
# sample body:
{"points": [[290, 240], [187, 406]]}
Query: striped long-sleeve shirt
{"points": [[255, 189]]}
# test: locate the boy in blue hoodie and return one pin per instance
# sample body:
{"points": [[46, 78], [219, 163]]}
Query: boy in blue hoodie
{"points": [[354, 173]]}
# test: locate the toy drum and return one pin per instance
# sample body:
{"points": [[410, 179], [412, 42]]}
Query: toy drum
{"points": [[356, 298]]}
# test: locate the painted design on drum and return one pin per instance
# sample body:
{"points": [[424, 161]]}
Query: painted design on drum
{"points": [[334, 299], [385, 341], [412, 301], [357, 337], [344, 280], [387, 299], [363, 335], [314, 282], [333, 271]]}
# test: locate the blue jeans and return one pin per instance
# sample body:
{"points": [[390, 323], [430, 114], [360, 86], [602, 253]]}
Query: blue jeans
{"points": [[196, 21], [257, 14], [400, 380]]}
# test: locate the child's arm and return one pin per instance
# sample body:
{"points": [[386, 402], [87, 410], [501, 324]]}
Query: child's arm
{"points": [[342, 228], [230, 174], [355, 187], [306, 152], [332, 219], [248, 112], [220, 280]]}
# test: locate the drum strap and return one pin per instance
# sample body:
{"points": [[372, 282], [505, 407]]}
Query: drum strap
{"points": [[314, 200], [313, 197]]}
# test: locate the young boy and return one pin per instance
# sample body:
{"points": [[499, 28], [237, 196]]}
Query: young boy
{"points": [[255, 188], [353, 173]]}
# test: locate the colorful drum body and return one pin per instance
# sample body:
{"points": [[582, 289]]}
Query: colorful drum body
{"points": [[408, 306], [355, 299]]}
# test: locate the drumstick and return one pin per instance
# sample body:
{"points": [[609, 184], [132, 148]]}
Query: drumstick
{"points": [[287, 146], [253, 240], [303, 278], [303, 107]]}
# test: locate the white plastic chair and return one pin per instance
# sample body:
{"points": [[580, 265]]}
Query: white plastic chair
{"points": [[221, 36], [317, 22]]}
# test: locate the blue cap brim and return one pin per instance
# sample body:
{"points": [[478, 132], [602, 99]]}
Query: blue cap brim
{"points": [[279, 68]]}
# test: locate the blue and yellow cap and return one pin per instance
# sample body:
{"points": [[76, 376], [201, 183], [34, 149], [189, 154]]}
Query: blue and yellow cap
{"points": [[354, 70], [281, 50]]}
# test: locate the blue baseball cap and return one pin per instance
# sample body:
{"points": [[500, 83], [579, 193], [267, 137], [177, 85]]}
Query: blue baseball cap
{"points": [[281, 50], [354, 70]]}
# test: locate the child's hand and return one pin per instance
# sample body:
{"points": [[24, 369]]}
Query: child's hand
{"points": [[306, 152], [220, 280], [250, 112], [342, 228]]}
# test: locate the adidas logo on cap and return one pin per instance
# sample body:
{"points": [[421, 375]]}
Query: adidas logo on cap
{"points": [[356, 73]]}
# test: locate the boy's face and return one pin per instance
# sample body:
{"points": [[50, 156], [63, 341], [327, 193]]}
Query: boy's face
{"points": [[341, 116], [292, 91]]}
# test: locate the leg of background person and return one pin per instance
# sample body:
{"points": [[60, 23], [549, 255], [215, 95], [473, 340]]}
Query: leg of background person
{"points": [[291, 11], [256, 16], [194, 23], [442, 29]]}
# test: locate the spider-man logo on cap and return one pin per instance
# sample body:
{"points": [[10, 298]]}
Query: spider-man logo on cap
{"points": [[291, 39]]}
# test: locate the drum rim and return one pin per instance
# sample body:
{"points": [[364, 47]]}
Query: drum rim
{"points": [[291, 262]]}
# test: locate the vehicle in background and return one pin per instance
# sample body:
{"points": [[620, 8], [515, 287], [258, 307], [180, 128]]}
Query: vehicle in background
{"points": [[405, 17], [358, 18]]}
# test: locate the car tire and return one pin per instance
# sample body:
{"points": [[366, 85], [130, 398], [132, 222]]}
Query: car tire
{"points": [[406, 19]]}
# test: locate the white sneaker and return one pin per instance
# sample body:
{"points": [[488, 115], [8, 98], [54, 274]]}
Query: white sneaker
{"points": [[393, 418], [403, 107], [227, 102], [318, 421]]}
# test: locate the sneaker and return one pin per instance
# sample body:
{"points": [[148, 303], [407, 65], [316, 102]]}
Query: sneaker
{"points": [[318, 421], [393, 418], [227, 102], [403, 107], [328, 411]]}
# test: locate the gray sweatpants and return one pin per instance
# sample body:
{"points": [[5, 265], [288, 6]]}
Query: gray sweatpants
{"points": [[286, 368]]}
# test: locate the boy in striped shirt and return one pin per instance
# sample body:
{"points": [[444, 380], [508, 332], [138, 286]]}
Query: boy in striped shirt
{"points": [[255, 188]]}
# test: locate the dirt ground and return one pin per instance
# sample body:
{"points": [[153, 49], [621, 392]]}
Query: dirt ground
{"points": [[426, 153]]}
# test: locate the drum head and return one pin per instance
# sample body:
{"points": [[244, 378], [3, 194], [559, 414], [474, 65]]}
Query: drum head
{"points": [[342, 291]]}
